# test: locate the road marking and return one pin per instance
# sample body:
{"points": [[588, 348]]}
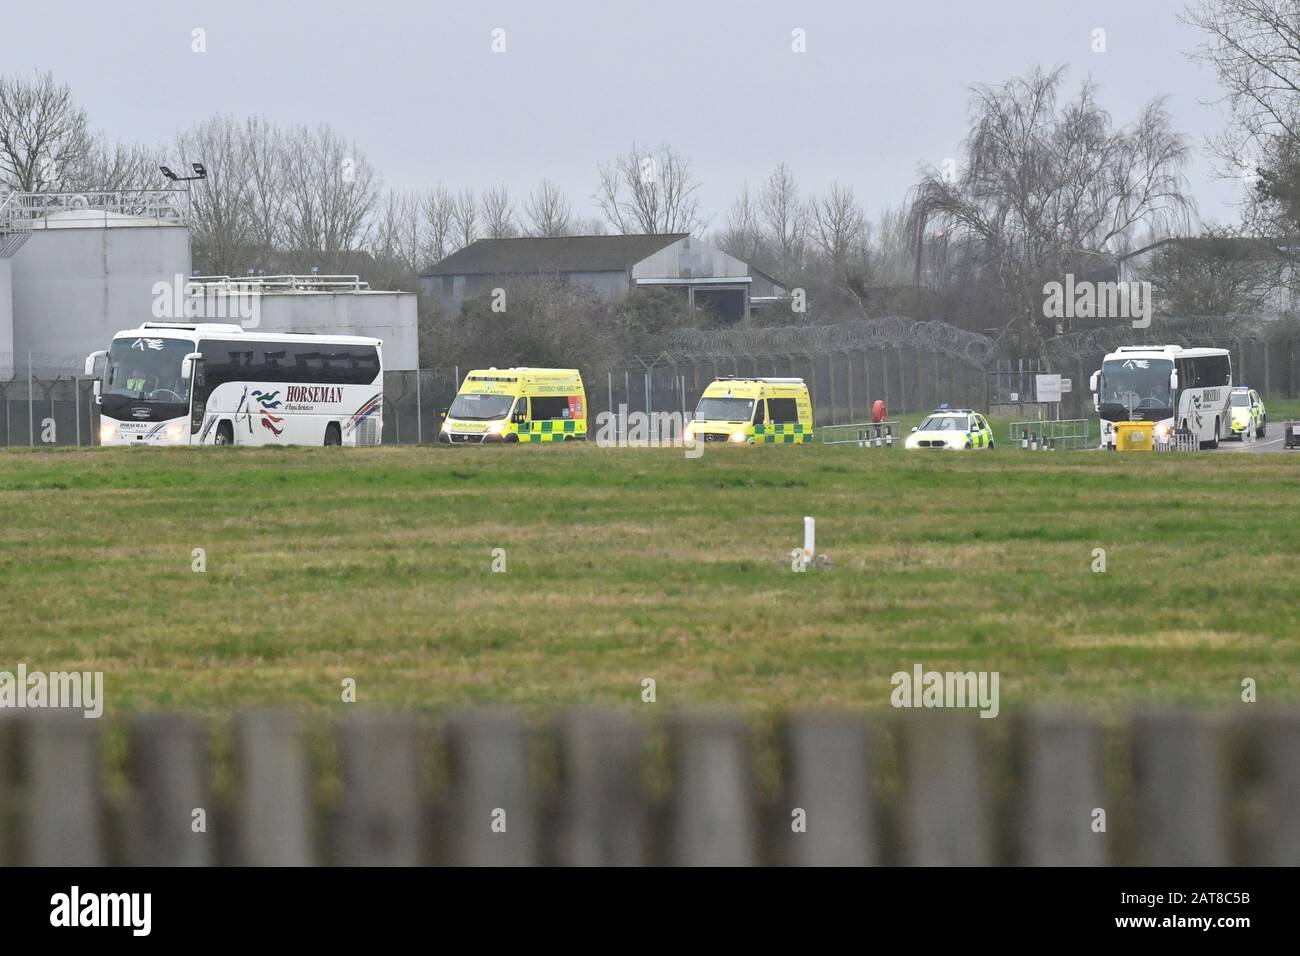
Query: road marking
{"points": [[1247, 446]]}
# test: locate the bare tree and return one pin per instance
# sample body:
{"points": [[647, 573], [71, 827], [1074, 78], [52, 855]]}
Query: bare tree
{"points": [[743, 235], [268, 196], [839, 226], [117, 167], [1254, 47], [647, 191], [464, 218], [440, 223], [222, 219], [785, 217], [498, 213], [332, 190], [1043, 186], [398, 233], [549, 212], [892, 250], [1217, 273], [45, 141]]}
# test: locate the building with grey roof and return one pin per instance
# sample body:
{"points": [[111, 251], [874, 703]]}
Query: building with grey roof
{"points": [[613, 266]]}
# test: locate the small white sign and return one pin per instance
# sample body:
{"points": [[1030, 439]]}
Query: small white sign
{"points": [[1048, 387], [1067, 386], [1015, 396]]}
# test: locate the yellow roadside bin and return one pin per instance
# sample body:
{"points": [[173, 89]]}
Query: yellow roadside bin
{"points": [[1134, 436]]}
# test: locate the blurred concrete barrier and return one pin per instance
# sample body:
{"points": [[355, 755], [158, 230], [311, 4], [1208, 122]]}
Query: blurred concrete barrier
{"points": [[930, 788]]}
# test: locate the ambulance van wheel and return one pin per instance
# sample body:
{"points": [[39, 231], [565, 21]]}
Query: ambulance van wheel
{"points": [[512, 439], [333, 435], [225, 434]]}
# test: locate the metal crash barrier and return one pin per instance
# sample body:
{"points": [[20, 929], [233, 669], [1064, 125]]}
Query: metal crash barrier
{"points": [[863, 434], [1183, 439], [1071, 434]]}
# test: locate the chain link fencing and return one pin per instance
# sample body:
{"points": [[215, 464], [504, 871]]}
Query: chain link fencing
{"points": [[911, 366]]}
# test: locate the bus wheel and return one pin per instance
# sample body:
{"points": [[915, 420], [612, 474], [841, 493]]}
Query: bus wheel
{"points": [[333, 436], [225, 434]]}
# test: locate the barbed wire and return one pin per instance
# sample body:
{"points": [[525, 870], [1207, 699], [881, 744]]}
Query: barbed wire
{"points": [[895, 331], [1205, 331], [973, 348]]}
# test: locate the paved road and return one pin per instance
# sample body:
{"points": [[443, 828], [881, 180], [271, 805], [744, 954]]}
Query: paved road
{"points": [[1274, 441]]}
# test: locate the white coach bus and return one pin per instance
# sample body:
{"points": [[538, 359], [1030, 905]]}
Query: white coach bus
{"points": [[1169, 386], [168, 383]]}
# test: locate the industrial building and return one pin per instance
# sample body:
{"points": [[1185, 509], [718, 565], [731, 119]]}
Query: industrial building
{"points": [[75, 269], [337, 305], [612, 266]]}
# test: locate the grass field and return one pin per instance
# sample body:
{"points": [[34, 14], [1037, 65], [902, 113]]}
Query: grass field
{"points": [[624, 564]]}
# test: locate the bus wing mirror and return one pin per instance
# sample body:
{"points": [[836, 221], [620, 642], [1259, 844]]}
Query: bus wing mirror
{"points": [[91, 359], [1173, 379], [187, 363], [1094, 382], [94, 387]]}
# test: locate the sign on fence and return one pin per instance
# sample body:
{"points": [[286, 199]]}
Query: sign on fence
{"points": [[1048, 387]]}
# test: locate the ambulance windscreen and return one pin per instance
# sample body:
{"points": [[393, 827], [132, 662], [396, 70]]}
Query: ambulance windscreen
{"points": [[480, 408], [724, 410]]}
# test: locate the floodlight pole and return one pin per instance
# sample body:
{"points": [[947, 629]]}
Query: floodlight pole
{"points": [[200, 172]]}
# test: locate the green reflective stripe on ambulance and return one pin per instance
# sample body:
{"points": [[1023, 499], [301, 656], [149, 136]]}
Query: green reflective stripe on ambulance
{"points": [[785, 433]]}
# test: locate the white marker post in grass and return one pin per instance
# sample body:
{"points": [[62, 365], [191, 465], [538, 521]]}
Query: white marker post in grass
{"points": [[809, 541]]}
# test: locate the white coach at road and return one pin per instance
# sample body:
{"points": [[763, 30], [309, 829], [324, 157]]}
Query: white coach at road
{"points": [[169, 383]]}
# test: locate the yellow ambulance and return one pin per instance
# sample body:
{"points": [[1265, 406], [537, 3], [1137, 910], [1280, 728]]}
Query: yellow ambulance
{"points": [[755, 411], [517, 405]]}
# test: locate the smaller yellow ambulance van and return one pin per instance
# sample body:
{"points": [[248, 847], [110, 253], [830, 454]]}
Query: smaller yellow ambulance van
{"points": [[755, 411], [517, 405]]}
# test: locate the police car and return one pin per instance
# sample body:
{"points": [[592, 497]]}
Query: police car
{"points": [[1248, 413], [955, 428]]}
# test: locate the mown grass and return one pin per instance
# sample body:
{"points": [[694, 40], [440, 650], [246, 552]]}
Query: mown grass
{"points": [[625, 564]]}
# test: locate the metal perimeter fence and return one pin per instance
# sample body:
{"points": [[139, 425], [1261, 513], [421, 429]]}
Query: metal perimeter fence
{"points": [[911, 366], [491, 788]]}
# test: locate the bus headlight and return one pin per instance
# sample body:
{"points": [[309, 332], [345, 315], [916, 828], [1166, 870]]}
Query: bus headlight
{"points": [[107, 429], [738, 436], [1162, 432], [175, 431]]}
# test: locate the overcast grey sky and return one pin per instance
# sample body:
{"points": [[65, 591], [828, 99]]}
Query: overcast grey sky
{"points": [[882, 88]]}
